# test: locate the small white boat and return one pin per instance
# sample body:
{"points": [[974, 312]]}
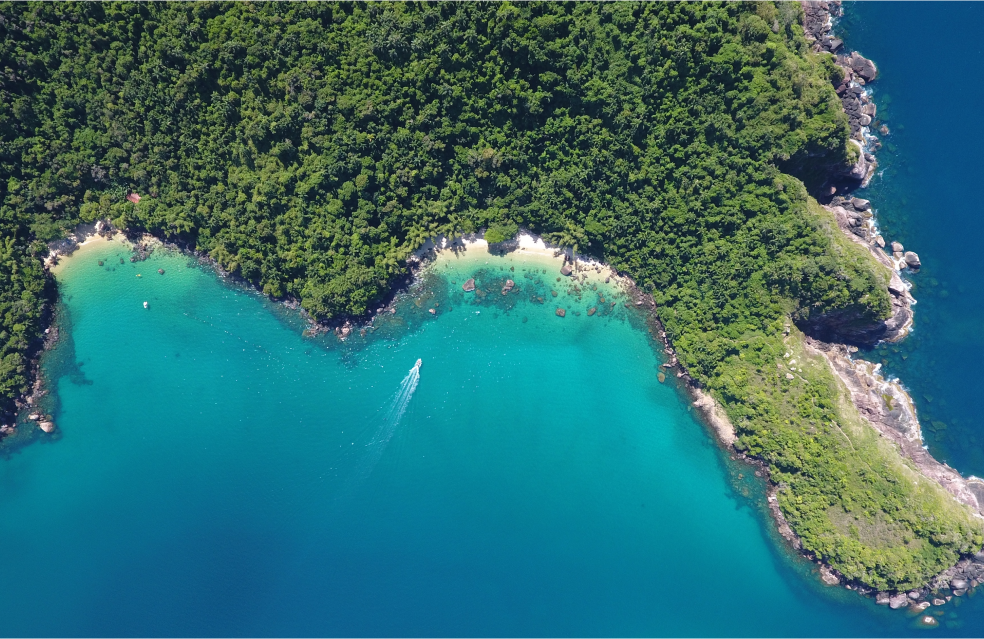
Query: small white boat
{"points": [[419, 362], [145, 304]]}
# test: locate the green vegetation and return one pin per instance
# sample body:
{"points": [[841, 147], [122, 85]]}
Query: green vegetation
{"points": [[310, 148]]}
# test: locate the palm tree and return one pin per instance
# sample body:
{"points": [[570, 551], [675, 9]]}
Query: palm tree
{"points": [[573, 237]]}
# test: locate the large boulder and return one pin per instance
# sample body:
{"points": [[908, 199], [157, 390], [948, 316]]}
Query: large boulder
{"points": [[469, 285], [896, 286], [863, 67], [912, 260], [46, 426], [566, 269], [561, 312], [860, 204], [899, 600]]}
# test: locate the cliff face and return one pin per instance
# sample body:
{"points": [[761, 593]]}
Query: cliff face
{"points": [[851, 326]]}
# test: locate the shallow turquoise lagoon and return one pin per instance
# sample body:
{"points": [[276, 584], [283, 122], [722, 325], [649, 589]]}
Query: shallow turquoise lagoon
{"points": [[216, 472]]}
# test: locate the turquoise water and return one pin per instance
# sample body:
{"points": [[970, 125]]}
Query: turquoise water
{"points": [[209, 475]]}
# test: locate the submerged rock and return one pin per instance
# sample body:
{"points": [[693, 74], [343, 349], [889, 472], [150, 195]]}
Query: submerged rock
{"points": [[47, 426], [561, 312], [566, 269], [826, 575], [469, 285], [592, 310], [161, 271]]}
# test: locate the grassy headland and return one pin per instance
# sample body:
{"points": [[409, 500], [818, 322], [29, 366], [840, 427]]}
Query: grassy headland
{"points": [[310, 148]]}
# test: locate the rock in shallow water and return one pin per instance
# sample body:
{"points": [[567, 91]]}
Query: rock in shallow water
{"points": [[561, 312], [47, 426], [469, 285], [860, 204]]}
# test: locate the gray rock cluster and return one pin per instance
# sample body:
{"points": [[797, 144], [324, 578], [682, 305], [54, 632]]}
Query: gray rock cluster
{"points": [[966, 574], [858, 70], [851, 215], [858, 106], [817, 23], [954, 582]]}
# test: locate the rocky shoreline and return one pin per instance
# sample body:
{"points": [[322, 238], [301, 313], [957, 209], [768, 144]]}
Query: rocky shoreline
{"points": [[894, 418], [884, 404]]}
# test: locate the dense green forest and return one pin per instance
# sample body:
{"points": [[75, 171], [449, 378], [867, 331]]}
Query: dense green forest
{"points": [[311, 147]]}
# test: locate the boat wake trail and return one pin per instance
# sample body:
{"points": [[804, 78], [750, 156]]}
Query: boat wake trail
{"points": [[383, 435]]}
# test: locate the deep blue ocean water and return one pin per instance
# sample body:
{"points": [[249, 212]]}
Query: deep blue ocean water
{"points": [[216, 472], [927, 195]]}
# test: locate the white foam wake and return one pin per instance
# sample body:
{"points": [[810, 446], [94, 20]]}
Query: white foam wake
{"points": [[383, 435]]}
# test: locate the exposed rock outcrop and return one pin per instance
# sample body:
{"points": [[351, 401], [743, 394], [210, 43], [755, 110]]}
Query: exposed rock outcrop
{"points": [[890, 410], [715, 416], [817, 24], [912, 260]]}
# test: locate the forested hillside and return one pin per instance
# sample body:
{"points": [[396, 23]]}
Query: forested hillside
{"points": [[311, 147]]}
